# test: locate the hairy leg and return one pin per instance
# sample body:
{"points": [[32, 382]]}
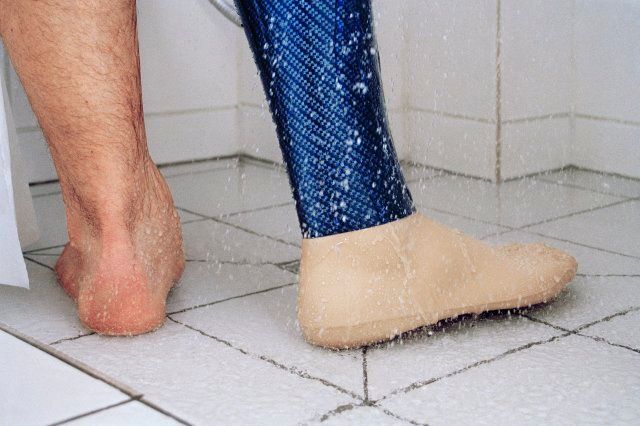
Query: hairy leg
{"points": [[371, 266], [79, 64]]}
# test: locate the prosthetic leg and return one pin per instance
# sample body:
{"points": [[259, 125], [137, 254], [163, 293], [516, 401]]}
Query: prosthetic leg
{"points": [[371, 266]]}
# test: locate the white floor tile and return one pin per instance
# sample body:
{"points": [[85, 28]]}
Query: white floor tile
{"points": [[471, 227], [204, 282], [266, 324], [571, 380], [615, 228], [601, 182], [397, 365], [204, 381], [360, 415], [43, 312], [513, 203], [590, 261], [589, 299], [133, 413], [220, 192], [46, 259], [38, 388], [622, 330], [277, 222], [214, 241]]}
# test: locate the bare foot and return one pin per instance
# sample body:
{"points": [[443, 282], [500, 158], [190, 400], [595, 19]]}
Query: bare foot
{"points": [[371, 285], [125, 253]]}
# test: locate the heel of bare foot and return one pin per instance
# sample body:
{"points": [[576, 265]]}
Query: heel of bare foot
{"points": [[120, 266], [370, 285]]}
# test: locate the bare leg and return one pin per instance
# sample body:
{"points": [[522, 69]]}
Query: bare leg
{"points": [[79, 64]]}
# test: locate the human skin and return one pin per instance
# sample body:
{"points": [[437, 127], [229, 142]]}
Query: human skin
{"points": [[79, 64]]}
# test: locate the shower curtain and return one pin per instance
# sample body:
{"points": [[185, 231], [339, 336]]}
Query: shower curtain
{"points": [[17, 217]]}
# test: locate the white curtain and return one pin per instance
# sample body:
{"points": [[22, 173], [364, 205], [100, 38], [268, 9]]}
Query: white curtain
{"points": [[17, 218]]}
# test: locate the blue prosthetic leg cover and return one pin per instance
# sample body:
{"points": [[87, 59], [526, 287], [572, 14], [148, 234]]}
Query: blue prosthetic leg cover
{"points": [[319, 65]]}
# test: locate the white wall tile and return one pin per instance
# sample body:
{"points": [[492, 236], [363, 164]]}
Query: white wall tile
{"points": [[186, 59], [607, 55], [185, 136], [391, 25], [257, 133], [536, 57], [462, 146], [452, 56], [607, 146], [35, 156], [534, 146]]}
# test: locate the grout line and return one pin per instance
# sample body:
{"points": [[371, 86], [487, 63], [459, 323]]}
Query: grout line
{"points": [[338, 410], [537, 118], [419, 384], [167, 413], [395, 416], [258, 209], [68, 339], [591, 209], [608, 119], [223, 222], [78, 365], [35, 251], [92, 412], [440, 113], [365, 375], [38, 263], [292, 370], [578, 244], [603, 340], [608, 275], [188, 111], [203, 305], [607, 318], [498, 170]]}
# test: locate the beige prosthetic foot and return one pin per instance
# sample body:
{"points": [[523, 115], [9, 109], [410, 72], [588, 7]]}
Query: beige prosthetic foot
{"points": [[370, 285]]}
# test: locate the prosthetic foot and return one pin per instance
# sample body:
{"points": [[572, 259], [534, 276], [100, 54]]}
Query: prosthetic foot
{"points": [[365, 286]]}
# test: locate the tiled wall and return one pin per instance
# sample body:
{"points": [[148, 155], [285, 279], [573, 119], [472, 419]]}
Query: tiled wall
{"points": [[490, 88]]}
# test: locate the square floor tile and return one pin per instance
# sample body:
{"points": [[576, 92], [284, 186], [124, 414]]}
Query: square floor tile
{"points": [[621, 330], [278, 222], [44, 311], [589, 299], [203, 380], [205, 282], [48, 260], [471, 227], [132, 413], [570, 380], [217, 242], [514, 203], [590, 261], [266, 324], [427, 356], [615, 228], [38, 388], [602, 182], [220, 192]]}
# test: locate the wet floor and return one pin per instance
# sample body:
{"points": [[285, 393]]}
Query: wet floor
{"points": [[231, 351]]}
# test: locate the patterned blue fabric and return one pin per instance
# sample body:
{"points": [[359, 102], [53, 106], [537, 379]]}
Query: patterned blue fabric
{"points": [[319, 65]]}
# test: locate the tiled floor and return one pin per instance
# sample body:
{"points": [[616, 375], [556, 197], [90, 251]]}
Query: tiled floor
{"points": [[231, 350]]}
